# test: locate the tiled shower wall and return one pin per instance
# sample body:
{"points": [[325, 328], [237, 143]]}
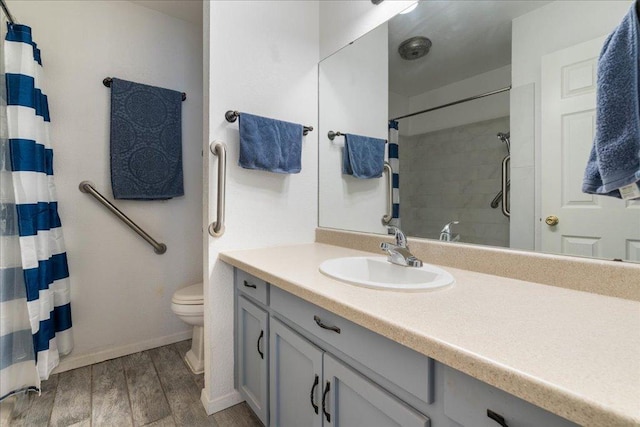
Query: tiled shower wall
{"points": [[453, 174]]}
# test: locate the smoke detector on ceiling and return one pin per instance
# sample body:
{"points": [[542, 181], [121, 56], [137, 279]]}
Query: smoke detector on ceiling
{"points": [[414, 48]]}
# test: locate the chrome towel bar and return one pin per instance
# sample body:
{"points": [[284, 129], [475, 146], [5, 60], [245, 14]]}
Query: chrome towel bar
{"points": [[108, 80], [219, 149], [89, 188], [231, 116], [332, 135]]}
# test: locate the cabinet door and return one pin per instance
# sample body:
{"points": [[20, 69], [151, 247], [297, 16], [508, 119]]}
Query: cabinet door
{"points": [[252, 357], [348, 399], [468, 401], [296, 379]]}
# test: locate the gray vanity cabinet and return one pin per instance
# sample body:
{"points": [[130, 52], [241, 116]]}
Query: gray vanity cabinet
{"points": [[349, 399], [310, 387], [252, 356], [300, 365], [295, 379]]}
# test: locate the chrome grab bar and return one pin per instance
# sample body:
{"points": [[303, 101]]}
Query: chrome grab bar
{"points": [[505, 186], [387, 217], [219, 149], [88, 187], [498, 199]]}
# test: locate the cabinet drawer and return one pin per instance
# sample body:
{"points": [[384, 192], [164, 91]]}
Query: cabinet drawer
{"points": [[406, 368], [466, 401], [250, 285]]}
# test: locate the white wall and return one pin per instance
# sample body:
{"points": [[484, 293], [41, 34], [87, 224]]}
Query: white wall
{"points": [[263, 60], [479, 110], [398, 105], [120, 289], [556, 26], [354, 92], [343, 21]]}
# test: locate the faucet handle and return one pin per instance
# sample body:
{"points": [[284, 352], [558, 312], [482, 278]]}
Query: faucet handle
{"points": [[401, 239]]}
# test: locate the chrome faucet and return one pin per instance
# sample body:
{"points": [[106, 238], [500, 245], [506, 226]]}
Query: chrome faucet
{"points": [[446, 235], [399, 253]]}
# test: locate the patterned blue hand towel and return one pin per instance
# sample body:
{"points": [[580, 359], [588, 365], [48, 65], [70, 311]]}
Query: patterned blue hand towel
{"points": [[270, 145], [363, 156], [614, 161], [146, 141]]}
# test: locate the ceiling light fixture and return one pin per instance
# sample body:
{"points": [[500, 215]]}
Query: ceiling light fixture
{"points": [[376, 2], [414, 48], [409, 9]]}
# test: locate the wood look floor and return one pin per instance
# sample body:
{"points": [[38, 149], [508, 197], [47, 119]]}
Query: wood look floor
{"points": [[151, 388]]}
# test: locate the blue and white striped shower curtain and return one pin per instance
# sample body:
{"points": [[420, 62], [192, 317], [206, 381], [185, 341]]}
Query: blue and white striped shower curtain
{"points": [[394, 162], [35, 319]]}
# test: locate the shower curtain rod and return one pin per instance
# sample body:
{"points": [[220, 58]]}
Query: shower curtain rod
{"points": [[6, 12], [428, 110]]}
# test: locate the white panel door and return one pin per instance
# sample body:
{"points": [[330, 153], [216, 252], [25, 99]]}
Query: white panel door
{"points": [[588, 225]]}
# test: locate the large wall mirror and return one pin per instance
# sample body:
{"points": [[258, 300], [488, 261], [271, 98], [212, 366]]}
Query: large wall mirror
{"points": [[507, 93]]}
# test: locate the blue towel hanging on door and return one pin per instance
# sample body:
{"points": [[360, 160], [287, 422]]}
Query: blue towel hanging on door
{"points": [[614, 161]]}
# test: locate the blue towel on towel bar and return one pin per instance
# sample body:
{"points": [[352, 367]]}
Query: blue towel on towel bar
{"points": [[363, 156], [146, 141], [269, 144], [614, 161]]}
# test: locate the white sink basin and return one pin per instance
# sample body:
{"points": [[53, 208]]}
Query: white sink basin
{"points": [[377, 272]]}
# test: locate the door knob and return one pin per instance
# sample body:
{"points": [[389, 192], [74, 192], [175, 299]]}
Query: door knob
{"points": [[552, 220]]}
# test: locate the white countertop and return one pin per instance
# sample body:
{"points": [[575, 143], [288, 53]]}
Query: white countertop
{"points": [[573, 353]]}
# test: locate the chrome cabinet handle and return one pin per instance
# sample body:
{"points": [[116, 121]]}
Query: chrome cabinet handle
{"points": [[219, 149], [258, 344], [323, 325], [313, 389], [324, 402]]}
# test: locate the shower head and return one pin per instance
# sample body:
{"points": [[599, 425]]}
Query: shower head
{"points": [[506, 138], [414, 48]]}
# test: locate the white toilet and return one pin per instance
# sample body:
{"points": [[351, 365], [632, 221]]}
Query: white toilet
{"points": [[188, 304]]}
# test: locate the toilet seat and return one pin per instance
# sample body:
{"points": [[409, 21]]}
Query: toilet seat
{"points": [[188, 310], [191, 295], [188, 304]]}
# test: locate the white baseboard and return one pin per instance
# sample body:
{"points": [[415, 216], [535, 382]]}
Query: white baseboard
{"points": [[72, 362], [220, 403]]}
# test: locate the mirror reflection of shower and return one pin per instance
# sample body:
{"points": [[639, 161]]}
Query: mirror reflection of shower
{"points": [[451, 172]]}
